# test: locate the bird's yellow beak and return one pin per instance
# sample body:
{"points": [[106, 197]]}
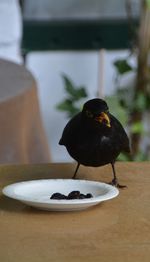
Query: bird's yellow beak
{"points": [[103, 118]]}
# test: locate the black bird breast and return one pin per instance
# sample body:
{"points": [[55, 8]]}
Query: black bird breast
{"points": [[92, 146]]}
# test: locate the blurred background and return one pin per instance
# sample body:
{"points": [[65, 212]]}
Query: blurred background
{"points": [[81, 49]]}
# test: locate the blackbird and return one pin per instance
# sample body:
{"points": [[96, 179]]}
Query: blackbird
{"points": [[94, 137]]}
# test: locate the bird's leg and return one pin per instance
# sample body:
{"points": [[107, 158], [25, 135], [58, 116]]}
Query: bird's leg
{"points": [[115, 180], [76, 170]]}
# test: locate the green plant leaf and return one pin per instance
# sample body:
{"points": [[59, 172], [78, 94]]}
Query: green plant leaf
{"points": [[137, 128], [71, 105], [76, 93], [123, 157], [64, 105], [69, 86], [68, 107], [140, 156], [148, 3], [116, 109], [140, 102], [122, 66], [80, 93]]}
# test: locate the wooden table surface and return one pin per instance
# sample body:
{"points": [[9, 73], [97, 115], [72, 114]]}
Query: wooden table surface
{"points": [[116, 230]]}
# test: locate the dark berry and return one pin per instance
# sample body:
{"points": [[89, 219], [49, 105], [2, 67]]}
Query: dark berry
{"points": [[71, 195], [58, 196], [88, 195], [74, 195], [82, 196]]}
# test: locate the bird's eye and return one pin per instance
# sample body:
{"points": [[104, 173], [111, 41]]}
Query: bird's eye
{"points": [[89, 114]]}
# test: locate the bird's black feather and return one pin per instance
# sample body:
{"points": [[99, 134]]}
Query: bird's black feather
{"points": [[91, 143]]}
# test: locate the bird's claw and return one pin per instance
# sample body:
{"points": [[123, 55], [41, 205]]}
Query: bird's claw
{"points": [[115, 183]]}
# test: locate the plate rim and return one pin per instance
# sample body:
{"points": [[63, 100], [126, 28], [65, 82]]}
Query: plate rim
{"points": [[112, 192]]}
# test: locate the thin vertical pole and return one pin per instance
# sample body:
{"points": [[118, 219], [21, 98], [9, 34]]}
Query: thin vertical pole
{"points": [[101, 73]]}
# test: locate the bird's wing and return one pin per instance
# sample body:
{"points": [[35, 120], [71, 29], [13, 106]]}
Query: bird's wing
{"points": [[70, 130], [122, 136]]}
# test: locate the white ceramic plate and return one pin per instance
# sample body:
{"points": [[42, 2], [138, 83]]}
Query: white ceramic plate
{"points": [[37, 193]]}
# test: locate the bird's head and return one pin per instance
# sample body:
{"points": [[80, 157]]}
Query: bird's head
{"points": [[97, 110]]}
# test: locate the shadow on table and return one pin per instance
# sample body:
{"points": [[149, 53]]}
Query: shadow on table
{"points": [[11, 205]]}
